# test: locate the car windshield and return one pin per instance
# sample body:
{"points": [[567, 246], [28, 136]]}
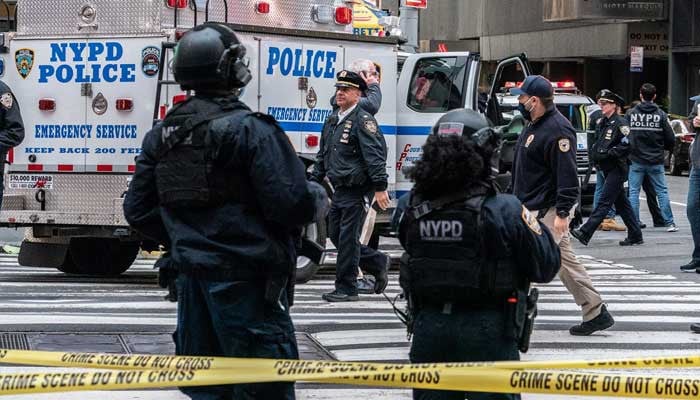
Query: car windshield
{"points": [[573, 114]]}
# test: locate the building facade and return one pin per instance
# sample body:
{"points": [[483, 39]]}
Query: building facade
{"points": [[684, 64]]}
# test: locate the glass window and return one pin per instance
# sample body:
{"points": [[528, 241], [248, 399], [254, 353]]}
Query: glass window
{"points": [[437, 84]]}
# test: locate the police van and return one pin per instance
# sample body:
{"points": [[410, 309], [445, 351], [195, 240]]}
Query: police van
{"points": [[87, 76]]}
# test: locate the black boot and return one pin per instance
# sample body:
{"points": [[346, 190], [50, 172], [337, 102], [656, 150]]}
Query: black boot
{"points": [[582, 236], [603, 321]]}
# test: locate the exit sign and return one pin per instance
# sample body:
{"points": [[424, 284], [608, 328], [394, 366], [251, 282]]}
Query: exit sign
{"points": [[416, 3]]}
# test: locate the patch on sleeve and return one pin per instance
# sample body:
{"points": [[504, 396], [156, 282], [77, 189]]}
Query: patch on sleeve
{"points": [[564, 145], [625, 130], [6, 100], [371, 126], [531, 221]]}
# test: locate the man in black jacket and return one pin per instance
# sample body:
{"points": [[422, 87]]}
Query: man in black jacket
{"points": [[352, 155], [650, 135], [223, 188], [609, 154], [11, 127]]}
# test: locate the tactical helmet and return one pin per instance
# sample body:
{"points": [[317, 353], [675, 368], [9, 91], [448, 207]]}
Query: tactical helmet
{"points": [[210, 56], [474, 125]]}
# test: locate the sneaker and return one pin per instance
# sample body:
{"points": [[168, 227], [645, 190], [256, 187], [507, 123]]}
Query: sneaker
{"points": [[695, 328], [642, 225], [581, 236], [671, 228], [365, 285], [603, 321], [336, 296], [381, 280], [691, 266], [631, 242], [609, 224]]}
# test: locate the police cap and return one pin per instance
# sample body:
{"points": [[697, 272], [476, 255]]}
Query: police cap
{"points": [[347, 78], [610, 96]]}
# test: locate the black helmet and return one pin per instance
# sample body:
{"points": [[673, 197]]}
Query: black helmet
{"points": [[210, 56], [474, 125]]}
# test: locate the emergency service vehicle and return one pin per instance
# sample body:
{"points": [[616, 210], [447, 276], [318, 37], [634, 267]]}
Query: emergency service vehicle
{"points": [[86, 74]]}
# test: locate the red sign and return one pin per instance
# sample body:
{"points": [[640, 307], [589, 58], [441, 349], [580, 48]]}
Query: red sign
{"points": [[416, 3]]}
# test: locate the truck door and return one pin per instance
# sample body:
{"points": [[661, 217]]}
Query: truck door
{"points": [[296, 85], [511, 69], [119, 95], [430, 84]]}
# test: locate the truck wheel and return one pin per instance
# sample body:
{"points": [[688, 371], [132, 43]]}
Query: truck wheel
{"points": [[674, 165], [99, 256], [306, 268]]}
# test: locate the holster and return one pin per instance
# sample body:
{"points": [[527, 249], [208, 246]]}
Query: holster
{"points": [[529, 321]]}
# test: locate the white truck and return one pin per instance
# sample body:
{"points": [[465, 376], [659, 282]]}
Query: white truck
{"points": [[86, 76]]}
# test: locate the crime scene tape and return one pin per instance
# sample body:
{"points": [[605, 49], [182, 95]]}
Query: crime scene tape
{"points": [[458, 376]]}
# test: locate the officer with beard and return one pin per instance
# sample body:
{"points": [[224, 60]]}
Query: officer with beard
{"points": [[223, 188], [470, 253]]}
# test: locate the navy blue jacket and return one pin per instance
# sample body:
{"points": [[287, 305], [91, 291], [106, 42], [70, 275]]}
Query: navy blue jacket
{"points": [[545, 174], [232, 235], [11, 125], [650, 133], [506, 232], [612, 148]]}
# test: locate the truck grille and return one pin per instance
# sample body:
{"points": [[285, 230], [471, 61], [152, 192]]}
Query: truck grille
{"points": [[582, 161]]}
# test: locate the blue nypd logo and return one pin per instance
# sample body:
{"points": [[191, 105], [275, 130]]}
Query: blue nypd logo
{"points": [[24, 60], [150, 60]]}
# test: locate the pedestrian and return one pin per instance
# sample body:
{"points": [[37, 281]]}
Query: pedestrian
{"points": [[545, 180], [223, 187], [11, 127], [352, 155], [650, 135], [371, 101], [609, 223], [693, 203], [470, 254], [610, 154]]}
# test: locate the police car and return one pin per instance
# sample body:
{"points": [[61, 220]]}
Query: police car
{"points": [[575, 107]]}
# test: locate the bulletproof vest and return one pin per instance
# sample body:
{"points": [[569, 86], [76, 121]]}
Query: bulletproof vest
{"points": [[446, 258], [187, 174]]}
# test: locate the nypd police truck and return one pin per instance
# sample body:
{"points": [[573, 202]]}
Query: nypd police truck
{"points": [[86, 75]]}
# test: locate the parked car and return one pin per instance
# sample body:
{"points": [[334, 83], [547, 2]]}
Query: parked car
{"points": [[679, 160]]}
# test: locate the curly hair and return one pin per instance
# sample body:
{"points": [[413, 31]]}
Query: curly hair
{"points": [[448, 163]]}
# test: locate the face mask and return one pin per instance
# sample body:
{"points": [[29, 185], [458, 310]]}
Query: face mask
{"points": [[524, 111]]}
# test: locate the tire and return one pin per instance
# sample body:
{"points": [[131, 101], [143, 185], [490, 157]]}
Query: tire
{"points": [[99, 256], [306, 269], [674, 165]]}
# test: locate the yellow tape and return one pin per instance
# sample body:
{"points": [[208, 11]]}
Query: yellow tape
{"points": [[148, 361], [504, 377]]}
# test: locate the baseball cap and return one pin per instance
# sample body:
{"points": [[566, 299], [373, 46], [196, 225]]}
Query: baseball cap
{"points": [[347, 78], [534, 85]]}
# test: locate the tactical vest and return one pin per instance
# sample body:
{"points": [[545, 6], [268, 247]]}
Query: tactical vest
{"points": [[186, 173], [446, 261]]}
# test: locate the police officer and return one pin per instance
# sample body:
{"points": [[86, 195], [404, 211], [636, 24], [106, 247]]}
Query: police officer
{"points": [[232, 194], [353, 155], [470, 253], [650, 136], [11, 127], [610, 154], [545, 180]]}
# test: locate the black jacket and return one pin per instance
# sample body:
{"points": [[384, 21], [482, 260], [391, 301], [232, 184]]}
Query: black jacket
{"points": [[257, 237], [612, 148], [650, 134], [544, 165], [694, 148], [11, 125], [353, 152]]}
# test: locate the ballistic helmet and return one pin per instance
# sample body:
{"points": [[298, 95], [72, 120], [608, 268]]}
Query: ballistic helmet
{"points": [[474, 125], [210, 56]]}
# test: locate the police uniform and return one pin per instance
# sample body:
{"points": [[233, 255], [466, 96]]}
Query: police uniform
{"points": [[11, 127], [470, 258], [609, 153], [224, 189], [545, 180], [352, 155]]}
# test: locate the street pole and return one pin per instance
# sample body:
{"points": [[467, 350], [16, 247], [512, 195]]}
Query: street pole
{"points": [[409, 25]]}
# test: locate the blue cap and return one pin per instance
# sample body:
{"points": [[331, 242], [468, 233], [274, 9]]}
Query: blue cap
{"points": [[534, 85], [695, 98]]}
